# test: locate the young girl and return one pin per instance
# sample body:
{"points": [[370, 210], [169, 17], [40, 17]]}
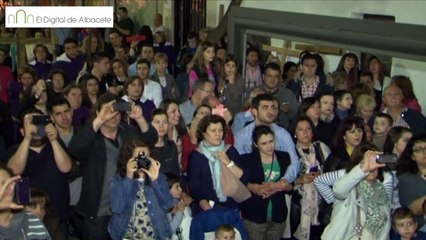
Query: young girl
{"points": [[180, 216], [343, 103], [349, 64], [231, 85], [139, 197], [203, 65], [119, 67], [164, 150]]}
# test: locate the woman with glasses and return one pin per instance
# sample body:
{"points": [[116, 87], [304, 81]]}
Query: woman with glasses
{"points": [[411, 172]]}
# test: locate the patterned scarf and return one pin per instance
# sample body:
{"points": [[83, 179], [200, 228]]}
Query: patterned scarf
{"points": [[376, 197], [214, 163], [310, 198]]}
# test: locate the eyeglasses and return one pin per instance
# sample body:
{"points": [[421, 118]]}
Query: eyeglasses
{"points": [[418, 150]]}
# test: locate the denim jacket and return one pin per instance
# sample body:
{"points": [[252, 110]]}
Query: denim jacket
{"points": [[123, 196]]}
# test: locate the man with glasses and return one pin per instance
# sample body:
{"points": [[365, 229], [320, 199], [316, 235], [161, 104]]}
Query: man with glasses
{"points": [[202, 88]]}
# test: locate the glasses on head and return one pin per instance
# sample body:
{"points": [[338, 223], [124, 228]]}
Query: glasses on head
{"points": [[419, 150]]}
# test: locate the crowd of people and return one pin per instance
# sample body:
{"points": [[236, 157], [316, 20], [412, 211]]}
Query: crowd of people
{"points": [[133, 138]]}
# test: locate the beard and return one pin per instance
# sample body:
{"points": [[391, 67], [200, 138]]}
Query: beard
{"points": [[38, 142]]}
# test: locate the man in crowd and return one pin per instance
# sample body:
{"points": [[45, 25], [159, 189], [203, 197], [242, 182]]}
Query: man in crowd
{"points": [[202, 88]]}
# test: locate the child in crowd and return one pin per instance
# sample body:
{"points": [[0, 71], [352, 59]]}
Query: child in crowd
{"points": [[343, 103], [224, 232], [180, 215], [39, 207], [405, 225], [167, 81], [382, 124]]}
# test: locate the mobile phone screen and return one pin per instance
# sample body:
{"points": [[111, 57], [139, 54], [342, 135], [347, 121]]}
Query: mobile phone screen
{"points": [[313, 169], [22, 191]]}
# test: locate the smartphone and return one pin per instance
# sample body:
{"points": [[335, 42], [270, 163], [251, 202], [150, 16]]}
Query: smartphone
{"points": [[387, 158], [40, 120], [313, 169], [23, 191], [122, 107]]}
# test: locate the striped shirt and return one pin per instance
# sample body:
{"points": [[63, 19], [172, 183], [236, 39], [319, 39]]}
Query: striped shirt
{"points": [[24, 226]]}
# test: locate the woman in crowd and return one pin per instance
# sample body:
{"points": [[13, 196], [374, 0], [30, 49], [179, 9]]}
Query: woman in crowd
{"points": [[41, 63], [90, 85], [176, 129], [209, 162], [203, 65], [289, 72], [164, 150], [365, 106], [362, 206], [349, 64], [305, 199], [266, 167], [119, 68], [343, 103], [133, 92], [35, 97], [395, 143], [327, 108], [310, 107], [56, 85], [231, 85], [380, 80], [92, 44], [409, 97], [74, 95], [411, 172], [139, 197], [349, 135]]}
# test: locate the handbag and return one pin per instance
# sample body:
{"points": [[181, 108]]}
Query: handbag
{"points": [[233, 187]]}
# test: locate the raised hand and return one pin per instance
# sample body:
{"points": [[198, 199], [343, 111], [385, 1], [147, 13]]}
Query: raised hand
{"points": [[131, 167], [369, 162], [154, 171], [136, 112], [29, 128], [6, 194], [51, 132]]}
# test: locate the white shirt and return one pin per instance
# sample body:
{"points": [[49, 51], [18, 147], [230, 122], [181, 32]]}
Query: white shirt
{"points": [[152, 91]]}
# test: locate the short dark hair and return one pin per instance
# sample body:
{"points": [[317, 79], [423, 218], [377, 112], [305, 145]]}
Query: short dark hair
{"points": [[272, 66], [255, 102], [205, 123], [261, 130], [157, 111], [57, 71], [308, 56], [252, 49], [296, 122], [97, 57], [201, 106], [172, 179], [306, 104], [70, 40], [42, 46], [385, 115], [143, 61], [367, 74], [393, 136], [103, 99], [402, 213], [70, 87], [56, 102], [200, 83], [191, 35], [124, 9], [338, 95]]}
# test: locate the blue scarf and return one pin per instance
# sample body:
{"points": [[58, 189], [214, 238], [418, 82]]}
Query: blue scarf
{"points": [[215, 167]]}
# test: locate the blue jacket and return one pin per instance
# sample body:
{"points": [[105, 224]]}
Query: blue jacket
{"points": [[209, 220], [124, 194]]}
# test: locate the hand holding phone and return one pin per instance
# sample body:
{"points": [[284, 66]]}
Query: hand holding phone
{"points": [[387, 158], [313, 169], [23, 191], [122, 107]]}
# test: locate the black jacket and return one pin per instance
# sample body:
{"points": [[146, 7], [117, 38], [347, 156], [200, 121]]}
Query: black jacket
{"points": [[255, 208], [89, 147]]}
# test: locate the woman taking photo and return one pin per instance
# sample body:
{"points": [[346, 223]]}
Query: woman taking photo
{"points": [[411, 172], [305, 198], [140, 197], [362, 206], [266, 167], [207, 164]]}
